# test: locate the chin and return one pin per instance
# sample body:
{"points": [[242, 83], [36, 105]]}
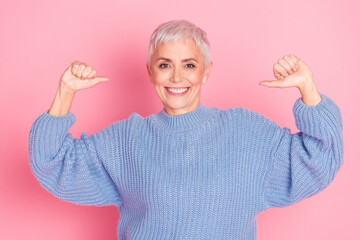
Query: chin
{"points": [[176, 106], [180, 107]]}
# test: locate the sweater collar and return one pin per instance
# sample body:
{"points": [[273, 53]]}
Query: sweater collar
{"points": [[185, 121]]}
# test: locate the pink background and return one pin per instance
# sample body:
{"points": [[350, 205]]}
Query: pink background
{"points": [[39, 39]]}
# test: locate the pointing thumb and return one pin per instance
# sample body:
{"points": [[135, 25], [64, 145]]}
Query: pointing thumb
{"points": [[101, 79], [265, 83]]}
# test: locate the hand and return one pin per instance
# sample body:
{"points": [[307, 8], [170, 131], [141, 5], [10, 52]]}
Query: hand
{"points": [[291, 71], [79, 76]]}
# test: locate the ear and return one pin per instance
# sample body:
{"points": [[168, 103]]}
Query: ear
{"points": [[207, 72], [149, 72]]}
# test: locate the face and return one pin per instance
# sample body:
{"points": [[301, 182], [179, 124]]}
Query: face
{"points": [[177, 73]]}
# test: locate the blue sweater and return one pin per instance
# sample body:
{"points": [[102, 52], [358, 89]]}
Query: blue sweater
{"points": [[206, 174]]}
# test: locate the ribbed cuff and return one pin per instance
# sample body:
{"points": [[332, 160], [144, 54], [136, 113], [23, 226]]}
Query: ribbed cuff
{"points": [[65, 121], [312, 119], [48, 131], [47, 135]]}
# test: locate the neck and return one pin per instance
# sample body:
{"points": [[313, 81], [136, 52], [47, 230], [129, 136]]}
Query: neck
{"points": [[181, 111], [183, 122]]}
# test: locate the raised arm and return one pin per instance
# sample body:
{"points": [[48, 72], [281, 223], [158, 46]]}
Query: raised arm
{"points": [[76, 77], [304, 163], [75, 170]]}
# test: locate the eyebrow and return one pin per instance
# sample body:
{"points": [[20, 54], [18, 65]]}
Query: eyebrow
{"points": [[168, 59]]}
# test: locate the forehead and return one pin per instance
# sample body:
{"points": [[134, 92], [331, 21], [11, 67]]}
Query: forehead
{"points": [[180, 47]]}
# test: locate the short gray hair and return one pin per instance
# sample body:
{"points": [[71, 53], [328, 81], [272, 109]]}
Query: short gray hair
{"points": [[174, 30]]}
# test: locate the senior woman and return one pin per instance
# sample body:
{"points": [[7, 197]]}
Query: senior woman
{"points": [[189, 171]]}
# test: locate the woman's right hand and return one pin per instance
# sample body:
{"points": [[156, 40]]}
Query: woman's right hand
{"points": [[76, 77], [80, 76]]}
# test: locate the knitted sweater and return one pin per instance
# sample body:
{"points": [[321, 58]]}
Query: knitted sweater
{"points": [[205, 174]]}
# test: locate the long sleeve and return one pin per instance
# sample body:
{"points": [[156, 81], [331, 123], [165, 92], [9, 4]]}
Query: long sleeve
{"points": [[70, 168], [305, 163]]}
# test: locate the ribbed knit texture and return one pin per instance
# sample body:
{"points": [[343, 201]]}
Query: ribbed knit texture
{"points": [[206, 174]]}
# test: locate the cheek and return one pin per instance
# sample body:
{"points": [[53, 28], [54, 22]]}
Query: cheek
{"points": [[160, 78], [196, 78], [157, 80]]}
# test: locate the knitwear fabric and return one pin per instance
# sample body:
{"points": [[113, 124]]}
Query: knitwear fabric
{"points": [[205, 174]]}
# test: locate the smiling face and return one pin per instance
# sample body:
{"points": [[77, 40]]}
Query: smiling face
{"points": [[177, 73]]}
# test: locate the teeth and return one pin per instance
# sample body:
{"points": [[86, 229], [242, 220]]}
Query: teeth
{"points": [[177, 90]]}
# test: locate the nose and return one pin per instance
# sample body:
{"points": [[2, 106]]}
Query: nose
{"points": [[176, 77]]}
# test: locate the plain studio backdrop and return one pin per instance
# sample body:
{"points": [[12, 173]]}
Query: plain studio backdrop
{"points": [[39, 39]]}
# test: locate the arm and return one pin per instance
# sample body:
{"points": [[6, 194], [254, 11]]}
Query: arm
{"points": [[304, 163], [72, 169], [76, 77], [75, 170], [62, 102]]}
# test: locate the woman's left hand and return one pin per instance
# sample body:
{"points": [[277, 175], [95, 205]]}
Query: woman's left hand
{"points": [[291, 71]]}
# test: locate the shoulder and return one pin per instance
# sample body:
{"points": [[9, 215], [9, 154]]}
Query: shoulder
{"points": [[243, 113], [131, 122], [247, 117]]}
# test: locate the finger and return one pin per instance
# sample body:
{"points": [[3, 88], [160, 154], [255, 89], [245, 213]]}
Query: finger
{"points": [[285, 65], [92, 74], [75, 67], [88, 83], [80, 70], [102, 79], [69, 68], [86, 71], [278, 75], [280, 70], [98, 80], [295, 60], [272, 84], [291, 62]]}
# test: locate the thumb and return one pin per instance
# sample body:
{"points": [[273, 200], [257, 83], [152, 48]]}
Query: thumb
{"points": [[274, 83], [100, 79], [97, 80]]}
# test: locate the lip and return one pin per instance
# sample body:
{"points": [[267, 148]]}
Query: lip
{"points": [[177, 94]]}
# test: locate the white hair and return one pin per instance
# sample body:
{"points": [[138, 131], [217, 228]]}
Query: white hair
{"points": [[174, 30]]}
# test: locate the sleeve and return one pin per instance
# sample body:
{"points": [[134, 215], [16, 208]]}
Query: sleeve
{"points": [[305, 163], [73, 169]]}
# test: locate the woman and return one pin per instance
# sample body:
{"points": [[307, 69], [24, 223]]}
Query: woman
{"points": [[189, 171]]}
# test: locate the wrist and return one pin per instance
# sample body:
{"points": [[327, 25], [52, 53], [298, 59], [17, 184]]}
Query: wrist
{"points": [[63, 89], [62, 101], [310, 94]]}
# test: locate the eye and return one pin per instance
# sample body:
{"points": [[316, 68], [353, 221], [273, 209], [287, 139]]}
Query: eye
{"points": [[190, 65], [163, 64]]}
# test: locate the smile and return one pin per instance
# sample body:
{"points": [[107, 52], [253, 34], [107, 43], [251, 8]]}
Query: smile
{"points": [[177, 91]]}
